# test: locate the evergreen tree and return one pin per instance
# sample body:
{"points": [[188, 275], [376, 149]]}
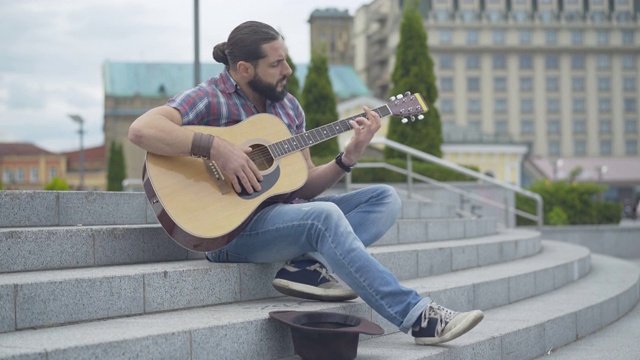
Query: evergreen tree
{"points": [[319, 103], [413, 72], [293, 85], [115, 167]]}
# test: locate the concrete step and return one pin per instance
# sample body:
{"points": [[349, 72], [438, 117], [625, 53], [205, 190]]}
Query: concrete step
{"points": [[60, 247], [216, 331], [532, 327], [619, 340], [88, 208], [54, 297]]}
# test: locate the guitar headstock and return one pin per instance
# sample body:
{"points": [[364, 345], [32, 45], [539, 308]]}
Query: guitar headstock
{"points": [[408, 105]]}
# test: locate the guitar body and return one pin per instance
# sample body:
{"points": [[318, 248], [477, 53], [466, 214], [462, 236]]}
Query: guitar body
{"points": [[192, 206]]}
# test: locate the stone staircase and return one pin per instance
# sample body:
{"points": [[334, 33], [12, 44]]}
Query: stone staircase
{"points": [[90, 275]]}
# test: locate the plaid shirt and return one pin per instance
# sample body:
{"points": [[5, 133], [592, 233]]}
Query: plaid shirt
{"points": [[220, 102]]}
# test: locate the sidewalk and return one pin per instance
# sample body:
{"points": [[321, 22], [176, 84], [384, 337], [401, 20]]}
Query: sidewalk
{"points": [[617, 341]]}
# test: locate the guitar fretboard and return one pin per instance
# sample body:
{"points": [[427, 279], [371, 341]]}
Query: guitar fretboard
{"points": [[309, 138]]}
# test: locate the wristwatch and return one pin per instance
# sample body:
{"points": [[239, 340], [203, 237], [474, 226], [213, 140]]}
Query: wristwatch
{"points": [[342, 165]]}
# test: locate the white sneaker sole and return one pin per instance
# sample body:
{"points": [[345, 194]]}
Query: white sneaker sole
{"points": [[312, 292], [460, 324]]}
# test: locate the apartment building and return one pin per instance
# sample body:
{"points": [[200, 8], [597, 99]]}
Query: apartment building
{"points": [[330, 33], [560, 75]]}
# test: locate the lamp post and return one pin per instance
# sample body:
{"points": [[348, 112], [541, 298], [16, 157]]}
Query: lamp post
{"points": [[80, 121], [556, 168], [602, 169]]}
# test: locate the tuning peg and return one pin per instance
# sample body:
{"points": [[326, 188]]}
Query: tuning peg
{"points": [[399, 96], [392, 99], [404, 120], [420, 117], [408, 93], [413, 118]]}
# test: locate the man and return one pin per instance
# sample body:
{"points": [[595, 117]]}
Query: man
{"points": [[316, 234]]}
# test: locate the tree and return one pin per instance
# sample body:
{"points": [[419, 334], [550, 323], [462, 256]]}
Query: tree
{"points": [[115, 167], [413, 72], [319, 102], [293, 85]]}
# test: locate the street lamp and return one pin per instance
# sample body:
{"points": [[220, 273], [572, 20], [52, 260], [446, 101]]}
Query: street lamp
{"points": [[556, 169], [80, 121]]}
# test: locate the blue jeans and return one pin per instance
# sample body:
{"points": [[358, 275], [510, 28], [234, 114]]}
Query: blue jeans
{"points": [[334, 230]]}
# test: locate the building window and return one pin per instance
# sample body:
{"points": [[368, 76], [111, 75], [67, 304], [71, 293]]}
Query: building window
{"points": [[473, 62], [553, 126], [33, 175], [473, 84], [627, 37], [577, 61], [472, 37], [475, 125], [526, 62], [578, 105], [526, 83], [603, 62], [551, 61], [446, 84], [445, 61], [602, 37], [604, 83], [554, 147], [623, 16], [604, 126], [628, 62], [605, 147], [502, 127], [499, 83], [7, 177], [579, 126], [576, 37], [631, 147], [446, 105], [630, 105], [526, 127], [604, 105], [446, 36], [525, 37], [499, 61], [474, 106], [577, 83], [500, 106], [19, 175], [553, 105], [551, 37], [53, 172], [629, 83], [580, 148], [498, 37], [526, 106], [630, 126], [552, 83]]}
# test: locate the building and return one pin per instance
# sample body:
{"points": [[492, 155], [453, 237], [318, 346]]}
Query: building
{"points": [[93, 168], [25, 166], [330, 33], [559, 75], [131, 89]]}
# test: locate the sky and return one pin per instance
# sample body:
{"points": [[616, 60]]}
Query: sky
{"points": [[52, 51]]}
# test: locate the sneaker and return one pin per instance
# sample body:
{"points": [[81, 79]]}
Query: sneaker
{"points": [[308, 279], [438, 324]]}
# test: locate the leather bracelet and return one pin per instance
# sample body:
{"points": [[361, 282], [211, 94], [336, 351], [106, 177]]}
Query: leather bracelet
{"points": [[201, 145], [342, 165]]}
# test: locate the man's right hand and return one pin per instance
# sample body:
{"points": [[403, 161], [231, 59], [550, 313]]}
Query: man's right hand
{"points": [[236, 165]]}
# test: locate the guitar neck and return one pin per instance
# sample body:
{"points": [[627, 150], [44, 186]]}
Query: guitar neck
{"points": [[309, 138]]}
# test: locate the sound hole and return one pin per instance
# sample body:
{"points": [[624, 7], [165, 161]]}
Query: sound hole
{"points": [[261, 156]]}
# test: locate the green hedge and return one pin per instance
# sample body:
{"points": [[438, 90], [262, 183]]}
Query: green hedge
{"points": [[570, 204]]}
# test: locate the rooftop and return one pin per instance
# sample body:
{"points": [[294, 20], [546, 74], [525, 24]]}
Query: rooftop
{"points": [[329, 13], [22, 149], [125, 79]]}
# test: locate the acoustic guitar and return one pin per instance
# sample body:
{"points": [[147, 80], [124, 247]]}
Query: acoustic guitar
{"points": [[196, 205]]}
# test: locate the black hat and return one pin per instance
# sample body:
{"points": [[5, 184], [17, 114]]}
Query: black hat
{"points": [[319, 335]]}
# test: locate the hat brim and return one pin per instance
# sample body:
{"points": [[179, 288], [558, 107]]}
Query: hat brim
{"points": [[326, 322]]}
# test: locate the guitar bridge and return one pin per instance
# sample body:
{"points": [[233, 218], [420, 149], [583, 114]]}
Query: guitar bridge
{"points": [[217, 176]]}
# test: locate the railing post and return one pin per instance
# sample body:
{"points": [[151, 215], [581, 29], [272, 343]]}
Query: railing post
{"points": [[540, 211], [409, 175], [347, 182]]}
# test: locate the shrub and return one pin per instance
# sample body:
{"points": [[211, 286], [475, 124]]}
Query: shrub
{"points": [[57, 184]]}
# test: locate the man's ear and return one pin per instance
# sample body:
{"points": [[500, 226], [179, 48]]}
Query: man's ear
{"points": [[245, 69]]}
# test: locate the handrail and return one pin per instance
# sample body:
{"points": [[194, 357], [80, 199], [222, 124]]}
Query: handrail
{"points": [[411, 152]]}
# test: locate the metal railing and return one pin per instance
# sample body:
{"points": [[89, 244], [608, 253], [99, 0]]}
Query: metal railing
{"points": [[411, 176]]}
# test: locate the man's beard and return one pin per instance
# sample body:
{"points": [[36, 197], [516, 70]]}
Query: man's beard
{"points": [[266, 90]]}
